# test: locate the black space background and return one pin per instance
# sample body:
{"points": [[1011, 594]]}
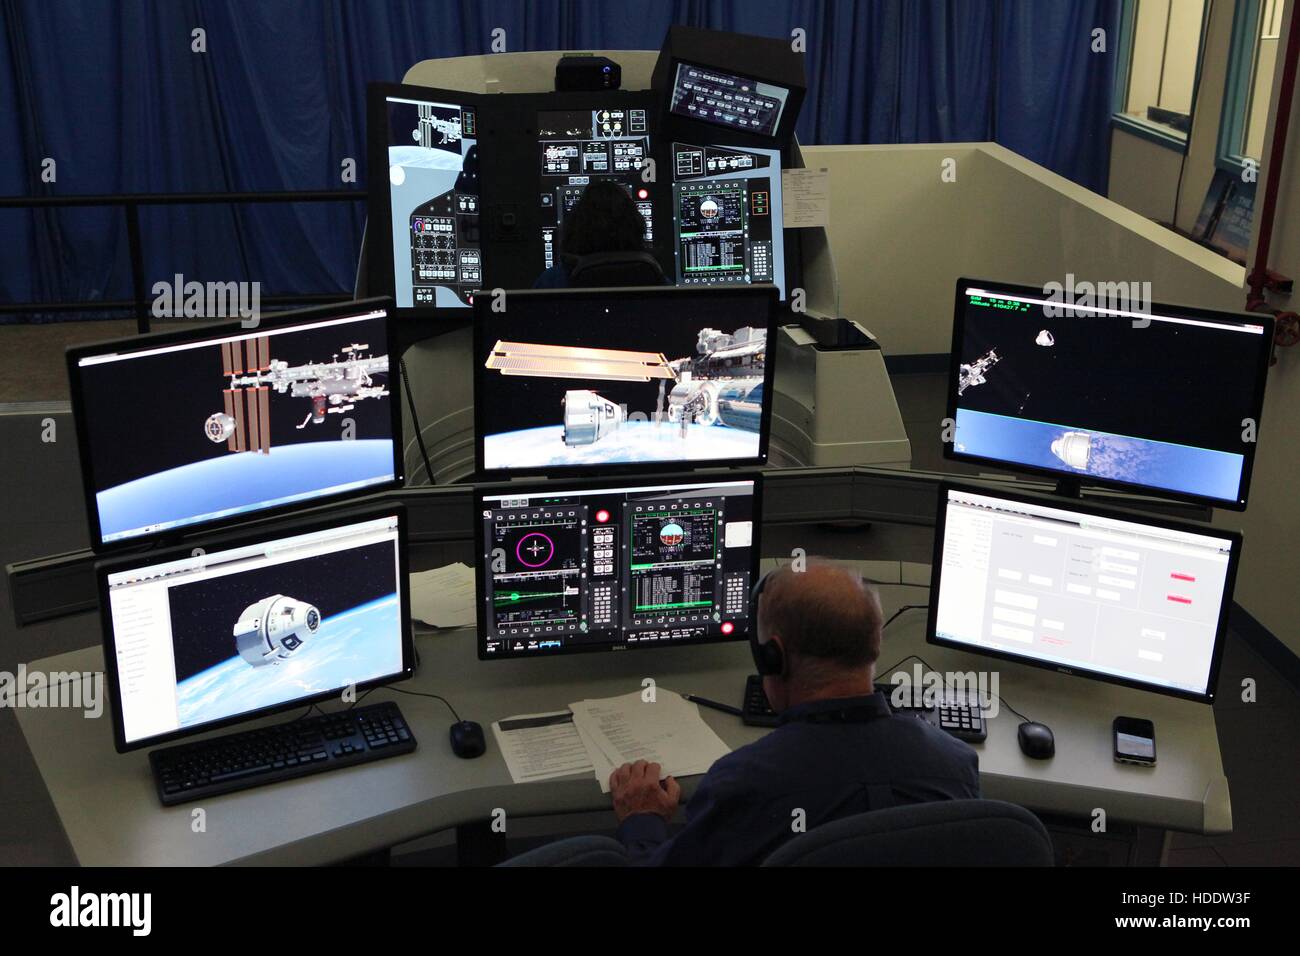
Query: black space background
{"points": [[1176, 383], [204, 613], [509, 402], [146, 415]]}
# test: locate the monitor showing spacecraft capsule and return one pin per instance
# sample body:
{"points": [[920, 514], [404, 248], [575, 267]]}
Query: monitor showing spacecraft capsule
{"points": [[642, 377], [200, 427], [1071, 383]]}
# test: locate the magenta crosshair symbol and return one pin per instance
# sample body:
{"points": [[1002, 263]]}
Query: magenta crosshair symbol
{"points": [[534, 549]]}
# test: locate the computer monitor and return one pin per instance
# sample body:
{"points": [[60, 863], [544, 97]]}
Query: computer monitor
{"points": [[578, 146], [631, 379], [424, 196], [611, 565], [188, 429], [1165, 400], [727, 216], [254, 625], [1083, 590]]}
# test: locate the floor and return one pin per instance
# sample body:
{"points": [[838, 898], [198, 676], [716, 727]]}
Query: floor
{"points": [[1257, 739]]}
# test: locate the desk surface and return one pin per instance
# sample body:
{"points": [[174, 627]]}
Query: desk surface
{"points": [[110, 811]]}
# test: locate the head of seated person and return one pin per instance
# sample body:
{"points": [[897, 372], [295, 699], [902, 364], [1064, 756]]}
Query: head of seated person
{"points": [[827, 622], [605, 219]]}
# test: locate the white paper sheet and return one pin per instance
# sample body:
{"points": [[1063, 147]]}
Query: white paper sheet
{"points": [[805, 197], [444, 597], [541, 746]]}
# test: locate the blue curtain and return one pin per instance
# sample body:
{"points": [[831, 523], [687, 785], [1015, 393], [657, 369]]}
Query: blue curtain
{"points": [[113, 93]]}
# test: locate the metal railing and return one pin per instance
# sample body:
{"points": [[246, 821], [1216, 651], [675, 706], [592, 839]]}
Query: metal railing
{"points": [[131, 203]]}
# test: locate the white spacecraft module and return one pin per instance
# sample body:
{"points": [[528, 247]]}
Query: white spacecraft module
{"points": [[588, 417], [1045, 338], [274, 629], [1074, 448]]}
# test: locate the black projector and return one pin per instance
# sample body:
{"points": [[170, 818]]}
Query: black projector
{"points": [[587, 73]]}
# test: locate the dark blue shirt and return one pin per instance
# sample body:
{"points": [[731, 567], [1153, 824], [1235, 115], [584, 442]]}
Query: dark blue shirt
{"points": [[747, 804]]}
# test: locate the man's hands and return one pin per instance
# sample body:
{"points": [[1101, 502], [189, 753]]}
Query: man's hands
{"points": [[635, 788]]}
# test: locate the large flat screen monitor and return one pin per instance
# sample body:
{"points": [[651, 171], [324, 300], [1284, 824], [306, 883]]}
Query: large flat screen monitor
{"points": [[1159, 399], [576, 147], [635, 379], [424, 197], [1082, 590], [254, 625], [182, 430], [613, 565], [727, 216]]}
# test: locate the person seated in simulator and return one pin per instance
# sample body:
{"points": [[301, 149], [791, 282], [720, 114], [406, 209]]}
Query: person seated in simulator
{"points": [[605, 219], [838, 750]]}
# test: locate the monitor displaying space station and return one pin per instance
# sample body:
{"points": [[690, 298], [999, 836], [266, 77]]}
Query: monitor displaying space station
{"points": [[615, 565], [255, 625], [579, 146], [636, 378], [727, 216], [425, 148], [715, 96], [185, 429], [1136, 396], [1084, 590]]}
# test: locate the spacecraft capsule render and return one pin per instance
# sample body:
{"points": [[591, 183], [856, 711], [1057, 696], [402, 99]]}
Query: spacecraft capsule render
{"points": [[1073, 448], [219, 427], [274, 629]]}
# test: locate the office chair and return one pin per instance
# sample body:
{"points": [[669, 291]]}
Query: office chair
{"points": [[943, 833], [575, 851], [605, 269]]}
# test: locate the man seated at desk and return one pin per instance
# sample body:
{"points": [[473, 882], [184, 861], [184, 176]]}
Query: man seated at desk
{"points": [[837, 752]]}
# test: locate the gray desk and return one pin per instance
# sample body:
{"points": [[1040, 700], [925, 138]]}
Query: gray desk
{"points": [[111, 815]]}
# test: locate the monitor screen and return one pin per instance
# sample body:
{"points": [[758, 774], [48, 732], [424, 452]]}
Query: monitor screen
{"points": [[197, 640], [190, 428], [1082, 590], [575, 148], [727, 215], [724, 99], [639, 377], [433, 189], [609, 566], [1166, 401]]}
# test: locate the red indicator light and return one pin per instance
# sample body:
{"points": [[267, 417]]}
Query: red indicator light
{"points": [[727, 627], [643, 193], [602, 516]]}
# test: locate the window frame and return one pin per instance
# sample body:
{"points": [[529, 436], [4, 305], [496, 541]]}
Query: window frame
{"points": [[1234, 117], [1145, 129]]}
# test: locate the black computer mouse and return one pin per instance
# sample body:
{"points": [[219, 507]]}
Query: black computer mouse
{"points": [[467, 739], [1036, 740]]}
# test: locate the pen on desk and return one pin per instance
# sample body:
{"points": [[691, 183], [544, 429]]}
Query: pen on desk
{"points": [[705, 702]]}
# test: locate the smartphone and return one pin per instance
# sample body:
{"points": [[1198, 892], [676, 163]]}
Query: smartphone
{"points": [[1135, 741]]}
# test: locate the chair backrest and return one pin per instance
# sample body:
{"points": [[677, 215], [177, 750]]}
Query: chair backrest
{"points": [[604, 269], [942, 833]]}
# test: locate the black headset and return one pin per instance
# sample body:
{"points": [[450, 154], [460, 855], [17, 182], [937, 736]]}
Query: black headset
{"points": [[768, 658]]}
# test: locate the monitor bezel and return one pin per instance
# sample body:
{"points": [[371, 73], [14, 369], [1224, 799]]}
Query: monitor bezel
{"points": [[1088, 508], [379, 199], [277, 320], [335, 519], [1208, 315], [598, 484], [483, 313]]}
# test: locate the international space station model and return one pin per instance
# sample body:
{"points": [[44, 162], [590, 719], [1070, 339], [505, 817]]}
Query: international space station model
{"points": [[973, 374], [1074, 448], [721, 384], [274, 629], [448, 130], [334, 387]]}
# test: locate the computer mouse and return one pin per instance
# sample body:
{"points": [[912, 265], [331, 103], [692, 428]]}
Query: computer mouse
{"points": [[467, 739], [1036, 740]]}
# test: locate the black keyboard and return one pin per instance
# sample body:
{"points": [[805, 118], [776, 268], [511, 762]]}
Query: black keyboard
{"points": [[951, 711], [251, 758], [756, 711]]}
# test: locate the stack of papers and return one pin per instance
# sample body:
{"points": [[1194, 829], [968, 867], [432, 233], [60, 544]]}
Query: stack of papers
{"points": [[444, 597], [596, 736]]}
